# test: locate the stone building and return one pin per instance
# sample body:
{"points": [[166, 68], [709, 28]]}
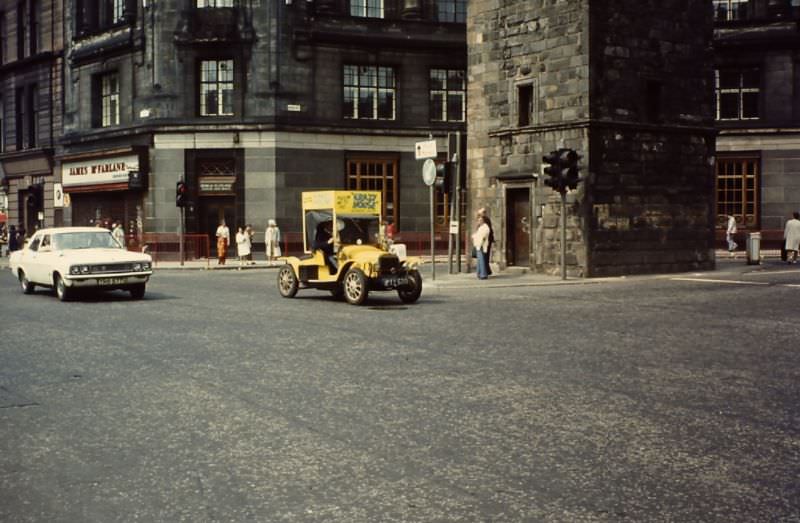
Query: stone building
{"points": [[251, 103], [31, 60], [758, 114], [626, 83]]}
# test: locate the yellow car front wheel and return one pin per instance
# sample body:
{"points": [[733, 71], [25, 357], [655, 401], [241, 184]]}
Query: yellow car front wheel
{"points": [[355, 287]]}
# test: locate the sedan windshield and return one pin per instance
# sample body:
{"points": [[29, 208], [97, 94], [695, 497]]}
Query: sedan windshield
{"points": [[100, 239]]}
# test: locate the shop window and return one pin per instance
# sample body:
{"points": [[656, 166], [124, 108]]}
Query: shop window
{"points": [[26, 114], [447, 95], [652, 99], [369, 92], [443, 207], [526, 104], [109, 99], [22, 28], [738, 93], [726, 10], [737, 190], [451, 11], [366, 8], [92, 16], [3, 37], [376, 174], [2, 124], [216, 87], [214, 3]]}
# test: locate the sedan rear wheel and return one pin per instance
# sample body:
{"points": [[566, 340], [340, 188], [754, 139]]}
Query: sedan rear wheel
{"points": [[27, 286], [62, 291]]}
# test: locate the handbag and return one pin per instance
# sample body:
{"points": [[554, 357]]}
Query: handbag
{"points": [[474, 252]]}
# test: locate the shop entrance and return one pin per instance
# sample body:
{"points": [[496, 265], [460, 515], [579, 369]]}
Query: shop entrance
{"points": [[518, 219], [214, 209]]}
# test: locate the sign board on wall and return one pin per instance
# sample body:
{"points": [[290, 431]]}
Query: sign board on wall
{"points": [[98, 171]]}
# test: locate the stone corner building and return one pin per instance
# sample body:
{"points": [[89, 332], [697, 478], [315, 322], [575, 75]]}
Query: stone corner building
{"points": [[626, 83]]}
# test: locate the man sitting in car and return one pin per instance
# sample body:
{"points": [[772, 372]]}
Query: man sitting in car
{"points": [[323, 240]]}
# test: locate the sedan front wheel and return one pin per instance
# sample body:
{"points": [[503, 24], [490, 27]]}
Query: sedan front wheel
{"points": [[62, 291]]}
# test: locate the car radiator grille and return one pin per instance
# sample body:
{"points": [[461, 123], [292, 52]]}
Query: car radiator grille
{"points": [[111, 267], [388, 264]]}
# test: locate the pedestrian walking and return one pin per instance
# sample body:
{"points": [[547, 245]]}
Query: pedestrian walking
{"points": [[249, 233], [272, 241], [223, 239], [119, 234], [242, 246], [791, 236], [13, 240], [480, 242], [729, 234]]}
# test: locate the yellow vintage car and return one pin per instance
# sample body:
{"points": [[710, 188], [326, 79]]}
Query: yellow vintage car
{"points": [[347, 252]]}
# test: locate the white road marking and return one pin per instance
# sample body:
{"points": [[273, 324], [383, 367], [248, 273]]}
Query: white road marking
{"points": [[708, 280]]}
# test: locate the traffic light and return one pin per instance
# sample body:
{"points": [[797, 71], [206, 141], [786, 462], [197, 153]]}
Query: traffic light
{"points": [[181, 194], [444, 177], [570, 168], [554, 175]]}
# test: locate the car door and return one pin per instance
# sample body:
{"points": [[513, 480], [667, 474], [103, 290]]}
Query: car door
{"points": [[45, 259], [30, 259]]}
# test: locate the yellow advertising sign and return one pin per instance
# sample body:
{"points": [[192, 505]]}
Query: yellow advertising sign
{"points": [[344, 202]]}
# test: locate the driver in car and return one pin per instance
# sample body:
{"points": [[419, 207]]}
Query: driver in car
{"points": [[323, 240]]}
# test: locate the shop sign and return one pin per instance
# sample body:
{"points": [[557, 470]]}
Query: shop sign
{"points": [[216, 184], [99, 171], [58, 195]]}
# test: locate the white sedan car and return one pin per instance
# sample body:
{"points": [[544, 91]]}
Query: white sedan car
{"points": [[70, 258]]}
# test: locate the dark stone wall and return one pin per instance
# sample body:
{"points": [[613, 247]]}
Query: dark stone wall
{"points": [[651, 193], [629, 85]]}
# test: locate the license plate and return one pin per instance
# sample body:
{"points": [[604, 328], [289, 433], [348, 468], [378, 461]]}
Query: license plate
{"points": [[111, 281], [391, 283]]}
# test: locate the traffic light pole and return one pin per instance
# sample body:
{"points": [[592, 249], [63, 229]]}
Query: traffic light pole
{"points": [[433, 236], [180, 232], [563, 235]]}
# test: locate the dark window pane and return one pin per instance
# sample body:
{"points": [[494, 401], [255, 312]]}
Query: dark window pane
{"points": [[729, 106], [750, 105]]}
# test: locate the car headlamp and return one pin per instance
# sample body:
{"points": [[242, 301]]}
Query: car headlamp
{"points": [[146, 266], [74, 270], [137, 266], [84, 269]]}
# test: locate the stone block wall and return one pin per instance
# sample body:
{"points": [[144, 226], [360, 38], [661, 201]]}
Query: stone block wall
{"points": [[629, 85]]}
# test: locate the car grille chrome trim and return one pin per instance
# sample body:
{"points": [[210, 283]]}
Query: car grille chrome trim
{"points": [[107, 268]]}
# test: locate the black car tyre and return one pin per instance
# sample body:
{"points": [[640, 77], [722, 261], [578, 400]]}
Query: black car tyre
{"points": [[27, 286], [410, 295], [287, 282], [355, 287], [137, 291], [62, 291]]}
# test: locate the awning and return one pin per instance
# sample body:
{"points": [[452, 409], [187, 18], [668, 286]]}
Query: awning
{"points": [[3, 217]]}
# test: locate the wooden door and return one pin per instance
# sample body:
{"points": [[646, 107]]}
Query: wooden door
{"points": [[518, 220]]}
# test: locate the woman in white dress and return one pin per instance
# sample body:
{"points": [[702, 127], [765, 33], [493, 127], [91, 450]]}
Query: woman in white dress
{"points": [[272, 241], [242, 246]]}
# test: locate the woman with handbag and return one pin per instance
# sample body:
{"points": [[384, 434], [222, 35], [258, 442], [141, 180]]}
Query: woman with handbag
{"points": [[480, 241]]}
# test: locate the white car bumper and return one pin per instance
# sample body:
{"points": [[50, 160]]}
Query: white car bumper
{"points": [[106, 280]]}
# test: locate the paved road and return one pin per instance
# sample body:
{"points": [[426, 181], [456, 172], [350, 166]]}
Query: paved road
{"points": [[653, 399]]}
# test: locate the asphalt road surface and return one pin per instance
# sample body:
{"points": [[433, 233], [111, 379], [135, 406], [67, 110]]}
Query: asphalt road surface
{"points": [[213, 399]]}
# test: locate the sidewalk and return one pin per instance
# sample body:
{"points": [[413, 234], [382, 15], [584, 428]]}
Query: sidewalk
{"points": [[511, 277]]}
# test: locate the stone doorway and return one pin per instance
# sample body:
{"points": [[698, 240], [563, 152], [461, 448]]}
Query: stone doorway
{"points": [[518, 226]]}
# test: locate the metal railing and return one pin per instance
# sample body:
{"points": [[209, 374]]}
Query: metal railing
{"points": [[162, 246]]}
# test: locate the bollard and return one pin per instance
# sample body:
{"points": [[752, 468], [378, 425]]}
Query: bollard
{"points": [[754, 248]]}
